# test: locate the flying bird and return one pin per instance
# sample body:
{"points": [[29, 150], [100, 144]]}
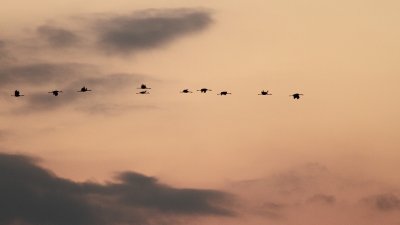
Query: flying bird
{"points": [[55, 92], [265, 93], [143, 86], [296, 96], [84, 89], [143, 92], [204, 90], [17, 94], [224, 93], [186, 91]]}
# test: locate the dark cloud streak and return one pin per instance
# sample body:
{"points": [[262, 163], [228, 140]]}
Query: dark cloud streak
{"points": [[58, 37], [148, 29]]}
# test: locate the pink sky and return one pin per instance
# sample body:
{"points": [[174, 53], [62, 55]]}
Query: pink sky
{"points": [[329, 158]]}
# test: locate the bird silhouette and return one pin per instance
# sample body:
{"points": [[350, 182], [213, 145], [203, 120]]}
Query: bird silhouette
{"points": [[143, 86], [84, 89], [186, 91], [224, 93], [204, 90], [143, 92], [55, 92], [296, 96], [265, 93], [17, 94]]}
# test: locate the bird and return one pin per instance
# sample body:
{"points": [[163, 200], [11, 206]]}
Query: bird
{"points": [[143, 86], [186, 91], [296, 96], [17, 94], [55, 92], [224, 93], [143, 92], [84, 89], [204, 90], [264, 93]]}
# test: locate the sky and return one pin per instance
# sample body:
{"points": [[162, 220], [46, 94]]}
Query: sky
{"points": [[111, 156]]}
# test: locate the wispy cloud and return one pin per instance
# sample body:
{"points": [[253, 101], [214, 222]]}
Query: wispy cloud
{"points": [[312, 192], [384, 202]]}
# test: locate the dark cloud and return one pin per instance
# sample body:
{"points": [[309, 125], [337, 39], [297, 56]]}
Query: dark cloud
{"points": [[34, 196], [322, 198], [114, 33], [58, 37], [42, 73], [384, 202], [149, 29]]}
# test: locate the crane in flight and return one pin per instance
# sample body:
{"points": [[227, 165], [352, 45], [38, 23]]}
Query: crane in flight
{"points": [[144, 87], [17, 94], [265, 93], [55, 92], [84, 89], [224, 93], [204, 90], [296, 96], [186, 91], [143, 92]]}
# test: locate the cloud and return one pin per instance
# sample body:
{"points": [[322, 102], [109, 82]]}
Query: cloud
{"points": [[384, 202], [58, 37], [42, 73], [115, 33], [314, 193], [34, 196], [148, 29]]}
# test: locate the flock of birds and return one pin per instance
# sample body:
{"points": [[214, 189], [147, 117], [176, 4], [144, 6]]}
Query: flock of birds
{"points": [[145, 90]]}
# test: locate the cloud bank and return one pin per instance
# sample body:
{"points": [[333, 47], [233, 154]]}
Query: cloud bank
{"points": [[32, 195]]}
